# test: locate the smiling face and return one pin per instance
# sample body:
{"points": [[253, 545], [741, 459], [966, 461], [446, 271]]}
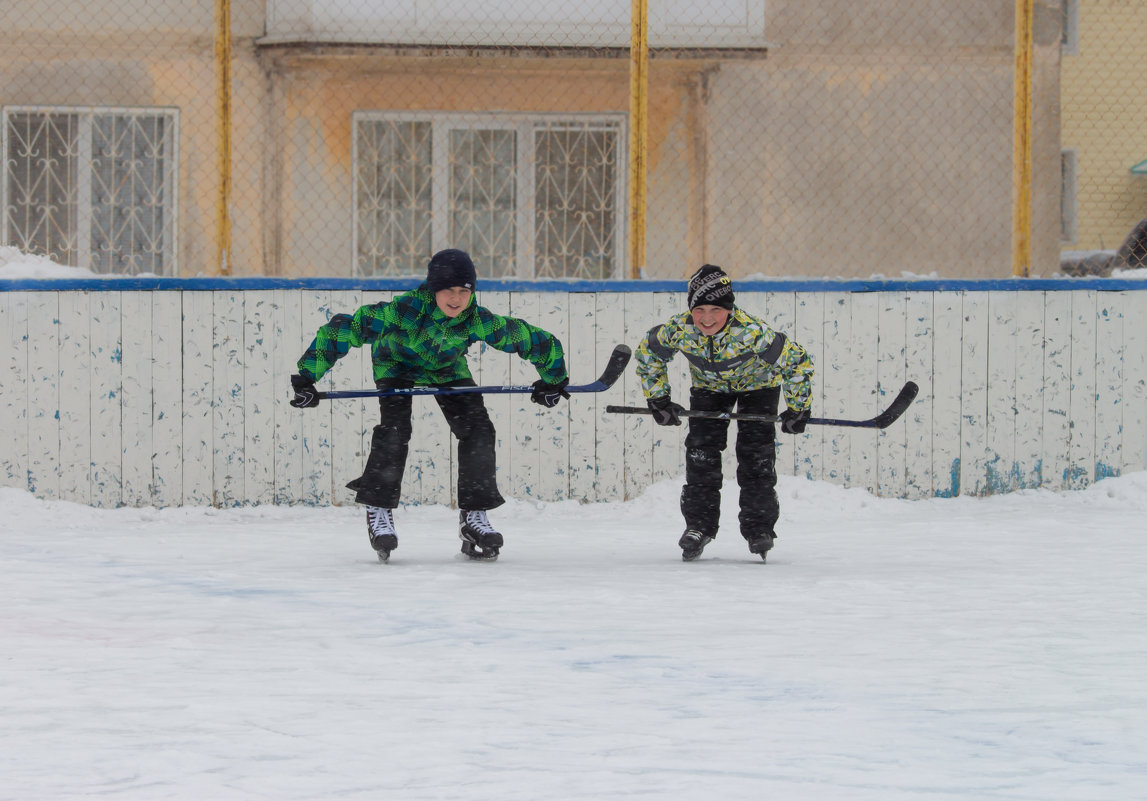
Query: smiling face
{"points": [[710, 319], [453, 300]]}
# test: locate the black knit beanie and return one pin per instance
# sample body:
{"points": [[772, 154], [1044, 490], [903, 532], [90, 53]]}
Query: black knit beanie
{"points": [[710, 286], [449, 268]]}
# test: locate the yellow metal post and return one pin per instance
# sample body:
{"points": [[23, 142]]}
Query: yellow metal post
{"points": [[1022, 148], [223, 123], [638, 137]]}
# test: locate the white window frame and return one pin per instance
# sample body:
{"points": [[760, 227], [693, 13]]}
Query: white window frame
{"points": [[525, 126], [83, 157]]}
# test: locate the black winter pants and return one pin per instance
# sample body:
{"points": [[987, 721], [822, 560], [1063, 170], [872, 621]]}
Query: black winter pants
{"points": [[756, 462], [381, 481]]}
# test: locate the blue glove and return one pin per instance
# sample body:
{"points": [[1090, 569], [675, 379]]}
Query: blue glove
{"points": [[549, 395], [665, 411], [306, 396], [793, 422]]}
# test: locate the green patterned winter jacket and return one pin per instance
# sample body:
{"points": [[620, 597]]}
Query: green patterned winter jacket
{"points": [[410, 338], [744, 355]]}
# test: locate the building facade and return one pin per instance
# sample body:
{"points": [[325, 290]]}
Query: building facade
{"points": [[349, 138]]}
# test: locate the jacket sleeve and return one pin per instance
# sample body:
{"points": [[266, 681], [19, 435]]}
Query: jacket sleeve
{"points": [[652, 357], [795, 366], [537, 346], [335, 339]]}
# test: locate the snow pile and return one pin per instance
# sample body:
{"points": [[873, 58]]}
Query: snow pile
{"points": [[17, 265]]}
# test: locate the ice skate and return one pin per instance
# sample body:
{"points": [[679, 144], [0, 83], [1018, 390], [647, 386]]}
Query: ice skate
{"points": [[760, 543], [692, 543], [380, 527], [480, 540]]}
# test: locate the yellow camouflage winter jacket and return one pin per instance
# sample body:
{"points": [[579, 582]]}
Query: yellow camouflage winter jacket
{"points": [[744, 355]]}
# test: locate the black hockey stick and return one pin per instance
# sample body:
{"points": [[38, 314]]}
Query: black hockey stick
{"points": [[613, 370], [886, 418]]}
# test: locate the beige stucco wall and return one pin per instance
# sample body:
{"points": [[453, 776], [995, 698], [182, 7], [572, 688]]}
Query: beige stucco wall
{"points": [[1105, 120]]}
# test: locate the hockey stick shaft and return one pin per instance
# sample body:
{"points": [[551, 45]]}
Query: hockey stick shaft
{"points": [[886, 418], [613, 370]]}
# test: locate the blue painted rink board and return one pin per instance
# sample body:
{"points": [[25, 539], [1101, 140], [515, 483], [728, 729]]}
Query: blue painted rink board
{"points": [[236, 284]]}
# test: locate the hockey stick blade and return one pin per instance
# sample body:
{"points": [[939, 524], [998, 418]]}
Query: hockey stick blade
{"points": [[613, 370], [886, 418], [898, 406], [618, 360]]}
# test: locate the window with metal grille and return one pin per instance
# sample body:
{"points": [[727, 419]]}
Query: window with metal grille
{"points": [[92, 187], [527, 197]]}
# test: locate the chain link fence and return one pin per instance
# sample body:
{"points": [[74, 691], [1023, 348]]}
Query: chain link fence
{"points": [[355, 138]]}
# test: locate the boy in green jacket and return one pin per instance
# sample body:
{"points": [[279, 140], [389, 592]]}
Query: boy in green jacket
{"points": [[421, 338]]}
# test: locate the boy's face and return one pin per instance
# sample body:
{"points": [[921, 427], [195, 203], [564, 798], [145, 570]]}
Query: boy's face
{"points": [[710, 319], [453, 300]]}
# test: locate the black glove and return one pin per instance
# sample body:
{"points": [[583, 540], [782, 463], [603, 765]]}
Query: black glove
{"points": [[793, 422], [548, 395], [665, 411], [306, 395]]}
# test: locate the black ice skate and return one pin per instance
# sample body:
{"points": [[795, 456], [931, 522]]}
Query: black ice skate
{"points": [[692, 543], [760, 543], [380, 527], [479, 539]]}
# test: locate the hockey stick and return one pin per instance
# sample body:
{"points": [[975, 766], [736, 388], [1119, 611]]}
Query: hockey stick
{"points": [[886, 418], [613, 370]]}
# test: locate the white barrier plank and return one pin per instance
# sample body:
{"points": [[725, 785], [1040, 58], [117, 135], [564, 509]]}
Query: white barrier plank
{"points": [[138, 444], [581, 360], [315, 479], [639, 436], [1055, 445], [917, 421], [44, 395], [1001, 443], [780, 315], [340, 433], [227, 390], [832, 386], [106, 360], [525, 419], [1134, 382], [808, 330], [1109, 399], [198, 418], [167, 398], [258, 397], [1081, 413], [609, 476], [974, 395], [1029, 385], [75, 419], [942, 378], [14, 386], [553, 425], [286, 332], [865, 384], [892, 442]]}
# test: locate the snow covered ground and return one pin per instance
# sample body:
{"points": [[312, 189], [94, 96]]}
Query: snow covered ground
{"points": [[952, 648]]}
